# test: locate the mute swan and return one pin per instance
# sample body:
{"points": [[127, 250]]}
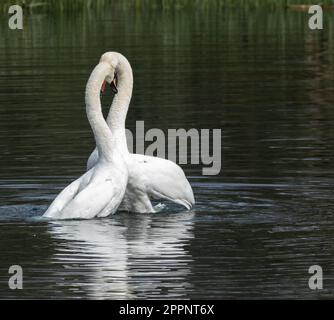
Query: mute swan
{"points": [[149, 177], [99, 191]]}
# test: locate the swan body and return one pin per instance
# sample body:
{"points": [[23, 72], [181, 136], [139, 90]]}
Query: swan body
{"points": [[149, 177], [152, 177], [100, 190]]}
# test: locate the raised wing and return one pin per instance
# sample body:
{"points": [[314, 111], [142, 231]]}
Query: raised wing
{"points": [[63, 199], [95, 194], [98, 199]]}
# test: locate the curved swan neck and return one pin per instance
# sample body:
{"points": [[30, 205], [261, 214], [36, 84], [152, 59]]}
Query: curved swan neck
{"points": [[120, 105], [102, 134]]}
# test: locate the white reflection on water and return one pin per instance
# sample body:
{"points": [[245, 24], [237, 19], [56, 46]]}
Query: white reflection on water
{"points": [[125, 256]]}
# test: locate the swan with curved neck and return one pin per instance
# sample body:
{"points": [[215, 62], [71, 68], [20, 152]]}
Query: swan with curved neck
{"points": [[149, 177], [100, 191]]}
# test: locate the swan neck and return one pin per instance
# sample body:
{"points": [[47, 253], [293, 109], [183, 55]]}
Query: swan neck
{"points": [[102, 134], [120, 105]]}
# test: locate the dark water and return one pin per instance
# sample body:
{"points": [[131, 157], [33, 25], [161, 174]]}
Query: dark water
{"points": [[262, 77]]}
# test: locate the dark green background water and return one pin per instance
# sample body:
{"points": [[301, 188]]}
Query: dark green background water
{"points": [[262, 77]]}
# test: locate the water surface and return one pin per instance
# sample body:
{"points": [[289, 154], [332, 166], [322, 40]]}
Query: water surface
{"points": [[262, 77]]}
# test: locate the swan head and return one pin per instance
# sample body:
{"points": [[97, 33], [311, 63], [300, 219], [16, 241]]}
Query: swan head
{"points": [[113, 59], [110, 58]]}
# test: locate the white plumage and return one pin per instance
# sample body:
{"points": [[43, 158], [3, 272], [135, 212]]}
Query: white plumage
{"points": [[99, 191], [149, 177], [152, 177], [116, 177]]}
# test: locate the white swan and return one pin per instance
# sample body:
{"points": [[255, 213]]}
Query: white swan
{"points": [[99, 191], [149, 177]]}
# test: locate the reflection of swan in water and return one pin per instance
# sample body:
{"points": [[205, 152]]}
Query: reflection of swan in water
{"points": [[127, 257]]}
